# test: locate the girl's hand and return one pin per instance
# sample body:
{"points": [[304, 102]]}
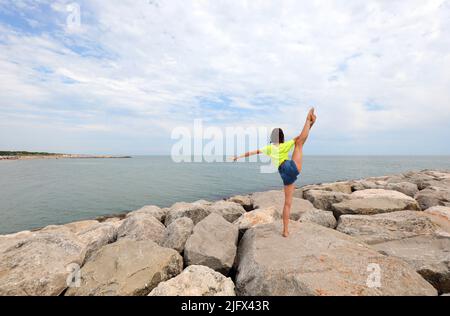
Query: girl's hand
{"points": [[235, 158]]}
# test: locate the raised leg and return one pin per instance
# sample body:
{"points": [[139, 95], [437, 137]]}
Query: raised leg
{"points": [[288, 196], [297, 156]]}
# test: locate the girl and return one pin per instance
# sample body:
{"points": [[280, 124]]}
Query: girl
{"points": [[279, 150]]}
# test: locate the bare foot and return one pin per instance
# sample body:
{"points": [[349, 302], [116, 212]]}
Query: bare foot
{"points": [[285, 234], [312, 116]]}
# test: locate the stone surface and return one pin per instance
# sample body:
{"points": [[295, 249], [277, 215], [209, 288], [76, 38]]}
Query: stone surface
{"points": [[195, 211], [340, 187], [263, 200], [141, 227], [39, 263], [325, 199], [256, 218], [407, 188], [212, 244], [440, 215], [375, 201], [97, 236], [229, 210], [433, 196], [156, 212], [315, 260], [429, 255], [127, 267], [177, 233], [196, 280], [373, 229], [320, 217], [245, 201]]}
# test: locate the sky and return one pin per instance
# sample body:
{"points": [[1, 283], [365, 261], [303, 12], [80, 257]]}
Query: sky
{"points": [[120, 81]]}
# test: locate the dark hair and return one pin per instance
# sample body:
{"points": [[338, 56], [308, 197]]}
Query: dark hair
{"points": [[277, 136]]}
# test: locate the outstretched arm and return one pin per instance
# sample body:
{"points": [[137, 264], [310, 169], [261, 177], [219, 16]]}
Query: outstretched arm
{"points": [[247, 154]]}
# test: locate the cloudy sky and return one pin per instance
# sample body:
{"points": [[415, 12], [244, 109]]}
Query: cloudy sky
{"points": [[378, 73]]}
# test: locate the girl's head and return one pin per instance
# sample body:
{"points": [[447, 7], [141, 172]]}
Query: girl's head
{"points": [[277, 136]]}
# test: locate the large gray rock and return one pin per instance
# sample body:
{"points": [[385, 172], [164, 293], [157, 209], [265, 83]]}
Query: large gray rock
{"points": [[375, 201], [229, 210], [212, 244], [97, 236], [38, 264], [440, 215], [340, 187], [195, 211], [177, 233], [264, 200], [325, 199], [433, 196], [428, 254], [256, 218], [373, 229], [429, 178], [126, 268], [245, 201], [196, 281], [393, 183], [407, 188], [315, 260], [320, 217], [156, 212], [141, 227], [366, 184]]}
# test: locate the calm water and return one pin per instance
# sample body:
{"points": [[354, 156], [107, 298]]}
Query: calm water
{"points": [[37, 193]]}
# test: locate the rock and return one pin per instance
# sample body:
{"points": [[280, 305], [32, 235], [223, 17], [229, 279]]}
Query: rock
{"points": [[127, 267], [373, 229], [156, 212], [440, 215], [407, 188], [375, 201], [97, 236], [229, 210], [203, 202], [78, 227], [256, 218], [421, 179], [212, 244], [195, 211], [324, 199], [433, 196], [196, 281], [177, 233], [320, 217], [7, 241], [428, 254], [315, 260], [38, 264], [245, 201], [263, 200], [141, 227], [367, 185]]}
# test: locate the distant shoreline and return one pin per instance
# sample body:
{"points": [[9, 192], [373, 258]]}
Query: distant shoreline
{"points": [[32, 156]]}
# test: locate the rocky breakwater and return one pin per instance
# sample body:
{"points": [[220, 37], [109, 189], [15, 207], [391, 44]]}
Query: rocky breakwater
{"points": [[387, 235]]}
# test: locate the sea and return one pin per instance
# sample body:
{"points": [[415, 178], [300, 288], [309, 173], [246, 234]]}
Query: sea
{"points": [[37, 193]]}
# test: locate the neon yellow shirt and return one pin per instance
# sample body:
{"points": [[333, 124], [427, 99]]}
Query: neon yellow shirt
{"points": [[279, 153]]}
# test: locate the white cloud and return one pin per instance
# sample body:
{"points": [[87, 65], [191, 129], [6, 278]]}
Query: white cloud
{"points": [[141, 67]]}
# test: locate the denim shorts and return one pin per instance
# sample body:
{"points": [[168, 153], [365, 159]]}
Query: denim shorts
{"points": [[288, 172]]}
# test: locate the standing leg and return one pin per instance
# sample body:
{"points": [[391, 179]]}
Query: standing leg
{"points": [[288, 196]]}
